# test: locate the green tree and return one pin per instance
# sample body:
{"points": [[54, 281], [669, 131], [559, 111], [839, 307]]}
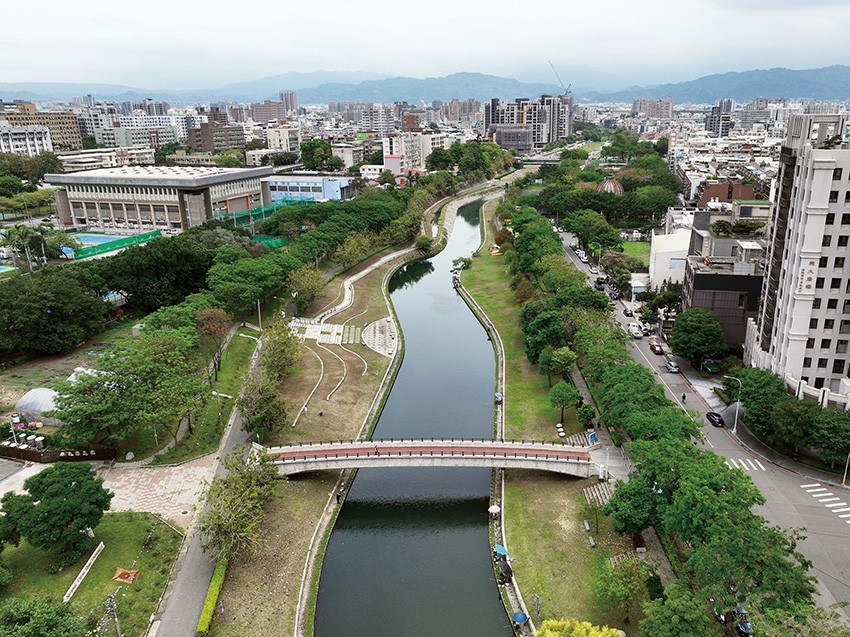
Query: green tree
{"points": [[544, 363], [38, 618], [256, 144], [213, 325], [162, 152], [334, 163], [563, 360], [61, 503], [547, 328], [281, 349], [423, 243], [282, 159], [563, 395], [305, 284], [260, 404], [439, 159], [679, 614], [228, 160], [573, 628], [10, 186], [387, 178], [161, 272], [697, 335], [623, 586], [47, 313], [42, 164], [586, 414], [233, 506], [315, 154], [759, 391]]}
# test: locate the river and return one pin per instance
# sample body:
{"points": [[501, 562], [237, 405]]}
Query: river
{"points": [[410, 553]]}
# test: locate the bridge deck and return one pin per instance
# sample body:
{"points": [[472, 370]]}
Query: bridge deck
{"points": [[518, 454]]}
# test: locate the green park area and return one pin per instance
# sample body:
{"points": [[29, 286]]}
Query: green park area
{"points": [[544, 513], [638, 249], [132, 541]]}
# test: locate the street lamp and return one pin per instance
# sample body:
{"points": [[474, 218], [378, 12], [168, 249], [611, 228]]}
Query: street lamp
{"points": [[844, 479], [737, 402]]}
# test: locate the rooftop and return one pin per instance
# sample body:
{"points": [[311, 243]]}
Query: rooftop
{"points": [[181, 176]]}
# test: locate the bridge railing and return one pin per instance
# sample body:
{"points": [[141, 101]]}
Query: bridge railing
{"points": [[435, 454], [381, 441]]}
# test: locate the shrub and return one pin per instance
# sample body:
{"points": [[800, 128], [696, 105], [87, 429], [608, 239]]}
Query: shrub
{"points": [[213, 592]]}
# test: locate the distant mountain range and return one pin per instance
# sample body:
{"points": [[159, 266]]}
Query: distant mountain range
{"points": [[321, 87], [827, 83]]}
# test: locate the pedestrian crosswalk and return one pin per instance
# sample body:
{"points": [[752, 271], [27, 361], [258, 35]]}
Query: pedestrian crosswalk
{"points": [[747, 464], [827, 498]]}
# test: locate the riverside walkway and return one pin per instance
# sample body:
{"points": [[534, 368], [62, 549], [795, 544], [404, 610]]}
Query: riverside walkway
{"points": [[554, 457]]}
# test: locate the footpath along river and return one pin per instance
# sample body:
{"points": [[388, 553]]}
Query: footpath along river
{"points": [[410, 554]]}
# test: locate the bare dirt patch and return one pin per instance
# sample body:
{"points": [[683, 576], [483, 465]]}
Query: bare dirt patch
{"points": [[260, 594]]}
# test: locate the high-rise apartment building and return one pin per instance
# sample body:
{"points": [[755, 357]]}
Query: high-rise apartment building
{"points": [[290, 101], [269, 111], [548, 118], [214, 137], [718, 122], [803, 330], [378, 118], [655, 109]]}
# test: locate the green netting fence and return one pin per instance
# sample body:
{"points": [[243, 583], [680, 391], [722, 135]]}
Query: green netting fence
{"points": [[270, 241], [251, 216], [111, 246]]}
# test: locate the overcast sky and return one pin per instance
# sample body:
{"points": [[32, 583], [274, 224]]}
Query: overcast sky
{"points": [[599, 44]]}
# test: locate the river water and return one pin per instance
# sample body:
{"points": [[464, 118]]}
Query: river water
{"points": [[410, 553]]}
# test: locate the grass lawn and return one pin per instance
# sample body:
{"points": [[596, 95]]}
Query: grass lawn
{"points": [[132, 541], [638, 249], [528, 414], [207, 427], [545, 514]]}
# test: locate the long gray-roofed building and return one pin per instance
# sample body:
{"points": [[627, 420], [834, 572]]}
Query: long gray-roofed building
{"points": [[133, 199]]}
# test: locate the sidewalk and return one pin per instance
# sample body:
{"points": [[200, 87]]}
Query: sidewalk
{"points": [[705, 389]]}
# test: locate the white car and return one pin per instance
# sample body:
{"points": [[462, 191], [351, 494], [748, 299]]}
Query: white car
{"points": [[672, 366], [634, 330], [593, 269]]}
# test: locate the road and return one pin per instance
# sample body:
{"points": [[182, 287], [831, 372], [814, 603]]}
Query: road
{"points": [[796, 496], [185, 599]]}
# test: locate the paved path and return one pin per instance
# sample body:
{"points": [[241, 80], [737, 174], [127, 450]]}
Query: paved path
{"points": [[167, 491]]}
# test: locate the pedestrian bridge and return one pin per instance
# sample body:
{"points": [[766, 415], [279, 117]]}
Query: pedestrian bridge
{"points": [[503, 454]]}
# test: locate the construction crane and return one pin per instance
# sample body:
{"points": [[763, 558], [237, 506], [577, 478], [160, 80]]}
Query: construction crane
{"points": [[566, 88]]}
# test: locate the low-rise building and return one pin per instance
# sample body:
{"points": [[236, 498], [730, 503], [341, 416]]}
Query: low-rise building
{"points": [[307, 188], [24, 140], [75, 160], [728, 286], [182, 158], [140, 198]]}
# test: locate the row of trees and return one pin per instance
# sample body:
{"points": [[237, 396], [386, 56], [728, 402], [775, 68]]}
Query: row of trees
{"points": [[728, 553], [29, 169], [786, 423], [474, 159]]}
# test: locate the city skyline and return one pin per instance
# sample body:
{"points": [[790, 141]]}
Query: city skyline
{"points": [[619, 45]]}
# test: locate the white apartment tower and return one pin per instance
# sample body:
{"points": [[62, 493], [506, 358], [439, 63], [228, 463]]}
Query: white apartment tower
{"points": [[803, 331], [24, 140]]}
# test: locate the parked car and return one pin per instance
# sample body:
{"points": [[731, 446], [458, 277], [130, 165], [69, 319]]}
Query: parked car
{"points": [[655, 347], [615, 296], [599, 287], [710, 366], [715, 419], [634, 330], [628, 312], [583, 258], [672, 366], [573, 246], [593, 269], [743, 627]]}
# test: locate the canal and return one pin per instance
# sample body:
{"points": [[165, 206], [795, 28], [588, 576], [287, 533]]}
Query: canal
{"points": [[410, 552]]}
